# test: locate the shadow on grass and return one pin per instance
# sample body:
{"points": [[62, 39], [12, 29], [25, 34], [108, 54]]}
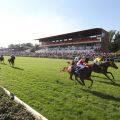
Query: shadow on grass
{"points": [[102, 95], [18, 68], [99, 77], [109, 83], [3, 63], [59, 82]]}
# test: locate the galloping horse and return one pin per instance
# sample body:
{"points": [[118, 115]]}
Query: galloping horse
{"points": [[104, 67], [11, 61], [1, 59], [72, 67], [84, 74]]}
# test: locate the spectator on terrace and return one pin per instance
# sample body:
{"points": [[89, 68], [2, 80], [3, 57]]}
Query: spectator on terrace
{"points": [[12, 56]]}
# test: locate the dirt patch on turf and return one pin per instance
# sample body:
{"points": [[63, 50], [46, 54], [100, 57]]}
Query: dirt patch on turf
{"points": [[9, 110]]}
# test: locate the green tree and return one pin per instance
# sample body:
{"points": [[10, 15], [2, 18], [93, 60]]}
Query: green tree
{"points": [[21, 47], [114, 40], [36, 47]]}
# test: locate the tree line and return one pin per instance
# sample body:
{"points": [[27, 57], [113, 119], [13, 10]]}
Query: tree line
{"points": [[114, 41], [24, 46]]}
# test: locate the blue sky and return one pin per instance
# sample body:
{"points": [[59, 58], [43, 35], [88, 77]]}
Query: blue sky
{"points": [[22, 21]]}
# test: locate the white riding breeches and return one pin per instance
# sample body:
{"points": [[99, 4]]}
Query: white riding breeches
{"points": [[81, 66]]}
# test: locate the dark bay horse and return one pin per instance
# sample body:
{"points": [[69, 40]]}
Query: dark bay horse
{"points": [[1, 59], [103, 69], [71, 69], [84, 74], [11, 61]]}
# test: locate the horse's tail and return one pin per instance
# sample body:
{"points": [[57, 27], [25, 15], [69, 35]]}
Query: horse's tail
{"points": [[71, 62], [68, 62], [66, 69]]}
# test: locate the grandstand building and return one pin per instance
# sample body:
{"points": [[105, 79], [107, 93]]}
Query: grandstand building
{"points": [[91, 40]]}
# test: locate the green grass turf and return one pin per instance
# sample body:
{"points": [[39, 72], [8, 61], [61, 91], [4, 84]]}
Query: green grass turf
{"points": [[38, 82]]}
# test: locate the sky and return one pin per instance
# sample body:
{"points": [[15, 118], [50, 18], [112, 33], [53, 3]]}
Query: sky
{"points": [[23, 21]]}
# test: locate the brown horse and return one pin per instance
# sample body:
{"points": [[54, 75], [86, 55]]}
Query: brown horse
{"points": [[84, 74], [103, 69], [69, 69]]}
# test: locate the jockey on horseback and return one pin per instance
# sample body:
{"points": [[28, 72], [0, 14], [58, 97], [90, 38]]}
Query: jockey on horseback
{"points": [[82, 63], [2, 58], [98, 60], [76, 59], [11, 59], [12, 56]]}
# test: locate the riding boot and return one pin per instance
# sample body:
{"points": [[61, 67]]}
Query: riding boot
{"points": [[77, 71]]}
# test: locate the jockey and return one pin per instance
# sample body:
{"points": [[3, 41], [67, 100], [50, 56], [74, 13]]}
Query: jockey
{"points": [[12, 56], [82, 63], [98, 60], [76, 59]]}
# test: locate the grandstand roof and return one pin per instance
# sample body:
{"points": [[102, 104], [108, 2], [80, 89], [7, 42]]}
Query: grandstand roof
{"points": [[78, 34]]}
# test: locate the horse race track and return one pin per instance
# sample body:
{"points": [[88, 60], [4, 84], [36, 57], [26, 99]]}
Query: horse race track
{"points": [[39, 83]]}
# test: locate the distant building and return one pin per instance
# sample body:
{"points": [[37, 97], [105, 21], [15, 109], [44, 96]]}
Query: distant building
{"points": [[95, 40]]}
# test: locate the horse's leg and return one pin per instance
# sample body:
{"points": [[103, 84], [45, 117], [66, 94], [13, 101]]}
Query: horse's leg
{"points": [[71, 74], [76, 79], [91, 83], [77, 75], [13, 64], [79, 81], [111, 75], [82, 81], [9, 63]]}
